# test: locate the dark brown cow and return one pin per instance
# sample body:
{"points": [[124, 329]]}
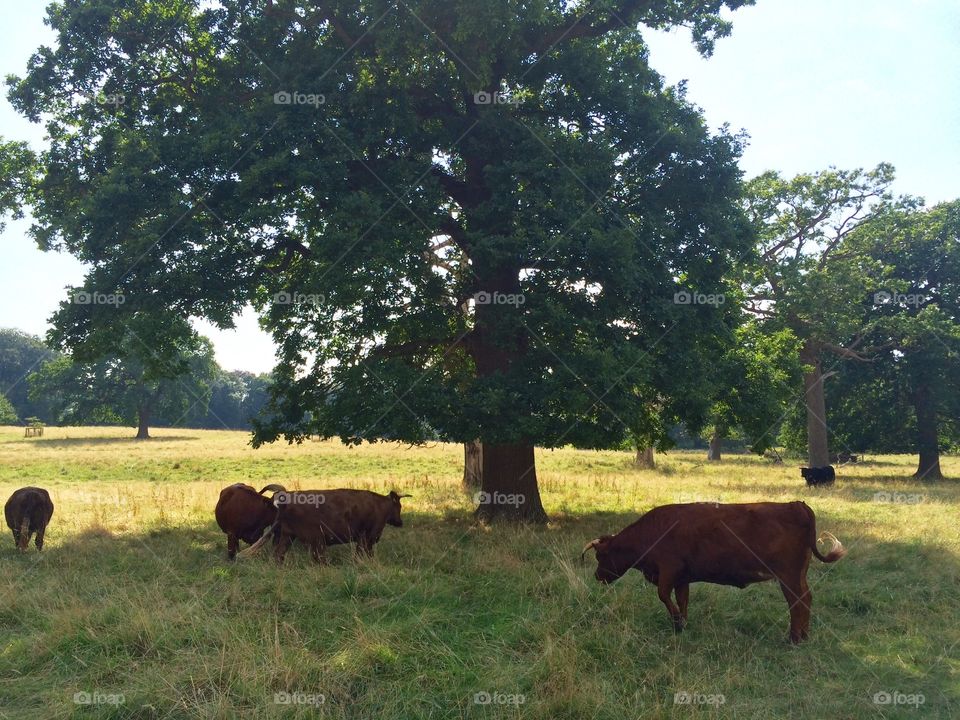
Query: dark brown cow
{"points": [[244, 514], [28, 511], [675, 545], [320, 518]]}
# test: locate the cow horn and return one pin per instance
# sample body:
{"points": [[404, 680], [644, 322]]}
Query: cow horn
{"points": [[259, 543], [404, 495], [273, 487], [592, 544]]}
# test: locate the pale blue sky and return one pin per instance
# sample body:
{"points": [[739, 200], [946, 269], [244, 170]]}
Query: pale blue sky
{"points": [[815, 83]]}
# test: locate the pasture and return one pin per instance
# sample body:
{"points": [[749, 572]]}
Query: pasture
{"points": [[133, 611]]}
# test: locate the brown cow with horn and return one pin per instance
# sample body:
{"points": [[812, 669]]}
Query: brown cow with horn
{"points": [[245, 514], [734, 544], [320, 518]]}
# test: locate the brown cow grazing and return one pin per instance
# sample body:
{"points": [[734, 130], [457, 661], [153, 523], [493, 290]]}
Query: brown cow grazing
{"points": [[320, 518], [28, 511], [675, 545], [244, 514]]}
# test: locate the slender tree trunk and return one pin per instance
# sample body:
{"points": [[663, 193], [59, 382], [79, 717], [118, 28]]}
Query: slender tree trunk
{"points": [[716, 442], [818, 451], [509, 485], [472, 464], [644, 458], [143, 423], [928, 436]]}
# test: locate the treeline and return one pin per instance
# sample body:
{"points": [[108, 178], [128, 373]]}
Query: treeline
{"points": [[37, 382]]}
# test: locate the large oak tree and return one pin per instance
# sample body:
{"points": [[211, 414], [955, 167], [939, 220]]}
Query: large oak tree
{"points": [[460, 220]]}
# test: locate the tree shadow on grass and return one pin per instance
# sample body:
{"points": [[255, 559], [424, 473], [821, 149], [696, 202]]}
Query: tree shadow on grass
{"points": [[126, 440]]}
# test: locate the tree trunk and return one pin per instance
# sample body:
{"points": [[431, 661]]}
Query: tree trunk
{"points": [[143, 423], [645, 459], [509, 485], [818, 451], [497, 342], [472, 464], [928, 436], [716, 442]]}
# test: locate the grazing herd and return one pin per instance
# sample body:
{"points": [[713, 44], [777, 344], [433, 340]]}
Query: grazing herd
{"points": [[672, 545]]}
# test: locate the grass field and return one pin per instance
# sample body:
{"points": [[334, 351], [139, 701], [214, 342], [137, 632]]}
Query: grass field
{"points": [[133, 605]]}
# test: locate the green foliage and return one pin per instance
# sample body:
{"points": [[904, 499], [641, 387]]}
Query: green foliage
{"points": [[17, 167], [201, 175], [8, 414], [147, 374], [756, 381], [20, 355]]}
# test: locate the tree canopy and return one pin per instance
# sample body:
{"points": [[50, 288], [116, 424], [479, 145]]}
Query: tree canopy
{"points": [[458, 220]]}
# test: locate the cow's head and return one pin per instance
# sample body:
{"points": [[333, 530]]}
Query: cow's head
{"points": [[393, 515], [612, 561]]}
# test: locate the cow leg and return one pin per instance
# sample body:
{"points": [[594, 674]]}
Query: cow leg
{"points": [[797, 594], [318, 552], [664, 588], [38, 540], [281, 548], [365, 546], [683, 597], [233, 544]]}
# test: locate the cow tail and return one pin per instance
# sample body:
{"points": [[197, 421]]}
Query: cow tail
{"points": [[261, 542], [24, 536], [837, 550]]}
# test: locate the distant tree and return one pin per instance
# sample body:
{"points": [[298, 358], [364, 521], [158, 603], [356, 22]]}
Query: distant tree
{"points": [[755, 381], [804, 278], [916, 301], [21, 354], [8, 415], [468, 221], [157, 371]]}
